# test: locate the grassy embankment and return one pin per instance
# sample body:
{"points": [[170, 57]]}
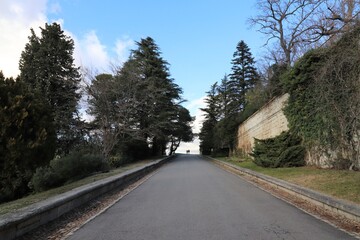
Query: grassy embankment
{"points": [[341, 184], [36, 197]]}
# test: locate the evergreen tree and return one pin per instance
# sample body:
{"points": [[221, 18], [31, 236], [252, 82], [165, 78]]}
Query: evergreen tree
{"points": [[212, 115], [139, 105], [162, 94], [181, 129], [224, 97], [274, 85], [47, 67], [27, 137], [243, 77]]}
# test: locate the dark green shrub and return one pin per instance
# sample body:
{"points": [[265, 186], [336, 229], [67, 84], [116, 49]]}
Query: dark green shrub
{"points": [[116, 161], [77, 164], [220, 152], [44, 179], [293, 156], [284, 150]]}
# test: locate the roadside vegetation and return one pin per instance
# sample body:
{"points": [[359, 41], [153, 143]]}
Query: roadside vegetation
{"points": [[39, 196], [314, 57], [133, 113], [342, 184]]}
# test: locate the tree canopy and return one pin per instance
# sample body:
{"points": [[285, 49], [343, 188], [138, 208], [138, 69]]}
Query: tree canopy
{"points": [[141, 103], [27, 137], [47, 68], [227, 103]]}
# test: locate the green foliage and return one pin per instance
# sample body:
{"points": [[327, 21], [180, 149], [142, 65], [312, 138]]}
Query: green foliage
{"points": [[47, 68], [225, 133], [45, 178], [220, 152], [116, 161], [181, 130], [293, 156], [302, 109], [76, 165], [27, 137], [127, 151], [163, 95], [139, 105], [206, 137], [255, 98], [275, 85], [212, 114], [243, 77], [324, 104], [227, 104], [284, 150]]}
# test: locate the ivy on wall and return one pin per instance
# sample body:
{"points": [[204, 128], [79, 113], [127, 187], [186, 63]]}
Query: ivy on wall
{"points": [[324, 104]]}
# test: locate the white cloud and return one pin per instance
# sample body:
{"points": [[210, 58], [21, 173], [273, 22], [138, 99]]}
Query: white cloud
{"points": [[18, 16], [90, 52], [122, 48], [16, 19]]}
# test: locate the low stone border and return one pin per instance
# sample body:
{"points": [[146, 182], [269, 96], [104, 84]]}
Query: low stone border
{"points": [[344, 208], [13, 225]]}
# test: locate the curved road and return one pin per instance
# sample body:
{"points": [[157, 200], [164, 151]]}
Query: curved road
{"points": [[190, 198]]}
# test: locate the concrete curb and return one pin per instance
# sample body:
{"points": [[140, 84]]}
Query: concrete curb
{"points": [[344, 208], [13, 225]]}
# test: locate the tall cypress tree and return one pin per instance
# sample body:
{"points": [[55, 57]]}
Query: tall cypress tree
{"points": [[243, 77], [47, 67]]}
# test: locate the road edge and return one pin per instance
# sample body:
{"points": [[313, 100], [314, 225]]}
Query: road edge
{"points": [[16, 224], [337, 206]]}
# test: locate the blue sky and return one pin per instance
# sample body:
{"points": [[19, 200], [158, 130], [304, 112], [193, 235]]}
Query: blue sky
{"points": [[196, 37]]}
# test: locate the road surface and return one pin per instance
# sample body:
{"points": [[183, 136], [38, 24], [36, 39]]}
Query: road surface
{"points": [[190, 198]]}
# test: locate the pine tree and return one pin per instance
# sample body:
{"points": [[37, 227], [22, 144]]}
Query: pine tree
{"points": [[243, 77], [47, 67], [226, 102]]}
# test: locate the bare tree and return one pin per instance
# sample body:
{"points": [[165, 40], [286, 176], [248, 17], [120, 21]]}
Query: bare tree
{"points": [[294, 26], [114, 102]]}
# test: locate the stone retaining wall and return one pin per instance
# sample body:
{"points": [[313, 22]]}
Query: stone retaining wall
{"points": [[267, 122]]}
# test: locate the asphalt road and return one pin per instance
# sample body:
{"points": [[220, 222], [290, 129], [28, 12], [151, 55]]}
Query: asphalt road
{"points": [[190, 198]]}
